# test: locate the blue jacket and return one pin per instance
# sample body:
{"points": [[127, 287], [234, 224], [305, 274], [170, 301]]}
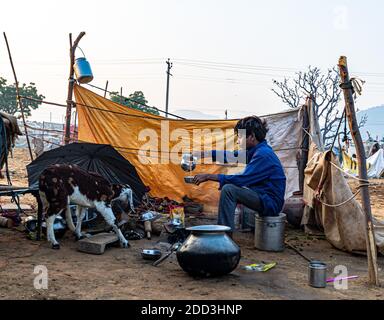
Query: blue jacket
{"points": [[263, 174]]}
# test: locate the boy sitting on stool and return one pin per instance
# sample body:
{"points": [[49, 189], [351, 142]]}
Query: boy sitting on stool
{"points": [[261, 186]]}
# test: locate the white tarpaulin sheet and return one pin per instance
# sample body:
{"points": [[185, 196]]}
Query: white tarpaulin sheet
{"points": [[376, 165]]}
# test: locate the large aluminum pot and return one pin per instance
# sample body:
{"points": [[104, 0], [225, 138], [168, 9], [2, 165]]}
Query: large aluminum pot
{"points": [[208, 252]]}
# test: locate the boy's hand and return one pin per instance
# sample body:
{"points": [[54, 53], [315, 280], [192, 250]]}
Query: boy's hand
{"points": [[200, 178]]}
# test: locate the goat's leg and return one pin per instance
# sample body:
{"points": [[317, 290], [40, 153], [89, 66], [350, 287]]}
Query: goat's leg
{"points": [[130, 197], [80, 214], [50, 232], [110, 219], [44, 202]]}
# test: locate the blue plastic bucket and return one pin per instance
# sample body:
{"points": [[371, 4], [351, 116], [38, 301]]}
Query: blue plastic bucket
{"points": [[83, 70]]}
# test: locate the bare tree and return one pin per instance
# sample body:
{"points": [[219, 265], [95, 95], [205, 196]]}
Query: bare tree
{"points": [[325, 90]]}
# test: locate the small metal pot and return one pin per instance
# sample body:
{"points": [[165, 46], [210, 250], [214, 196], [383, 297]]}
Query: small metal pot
{"points": [[151, 254], [317, 274], [59, 226]]}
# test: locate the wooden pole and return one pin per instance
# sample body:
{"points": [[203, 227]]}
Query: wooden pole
{"points": [[304, 147], [74, 128], [19, 101], [106, 89], [353, 125], [71, 82], [121, 95]]}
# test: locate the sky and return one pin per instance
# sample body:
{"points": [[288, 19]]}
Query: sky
{"points": [[224, 53]]}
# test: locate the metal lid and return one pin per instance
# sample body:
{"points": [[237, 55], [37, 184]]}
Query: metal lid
{"points": [[280, 218], [317, 265], [209, 228]]}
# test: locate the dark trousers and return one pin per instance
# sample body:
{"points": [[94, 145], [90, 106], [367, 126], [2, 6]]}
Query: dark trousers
{"points": [[230, 196]]}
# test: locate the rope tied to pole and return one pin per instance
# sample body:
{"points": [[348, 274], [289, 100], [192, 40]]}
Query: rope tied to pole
{"points": [[318, 198], [362, 183], [354, 84], [357, 86]]}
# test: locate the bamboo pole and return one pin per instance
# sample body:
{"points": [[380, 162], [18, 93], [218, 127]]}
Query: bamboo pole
{"points": [[19, 102], [74, 137], [351, 115], [71, 81]]}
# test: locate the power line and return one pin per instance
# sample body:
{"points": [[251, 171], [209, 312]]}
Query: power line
{"points": [[231, 70], [260, 67], [139, 103], [235, 65], [206, 63], [96, 108], [224, 80]]}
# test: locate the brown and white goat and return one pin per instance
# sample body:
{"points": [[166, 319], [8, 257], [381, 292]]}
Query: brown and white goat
{"points": [[61, 185]]}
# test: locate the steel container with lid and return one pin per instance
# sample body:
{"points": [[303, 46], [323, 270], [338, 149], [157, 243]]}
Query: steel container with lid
{"points": [[270, 232]]}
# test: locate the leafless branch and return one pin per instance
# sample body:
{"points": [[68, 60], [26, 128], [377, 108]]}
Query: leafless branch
{"points": [[324, 87]]}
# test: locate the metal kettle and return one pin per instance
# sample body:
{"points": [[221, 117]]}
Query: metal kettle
{"points": [[188, 162]]}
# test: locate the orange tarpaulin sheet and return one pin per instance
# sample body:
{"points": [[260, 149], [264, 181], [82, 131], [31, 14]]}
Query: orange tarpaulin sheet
{"points": [[129, 130]]}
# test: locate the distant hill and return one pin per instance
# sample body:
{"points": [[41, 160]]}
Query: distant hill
{"points": [[198, 115], [375, 123], [194, 115]]}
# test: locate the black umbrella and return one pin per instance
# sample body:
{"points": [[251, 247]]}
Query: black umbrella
{"points": [[100, 158]]}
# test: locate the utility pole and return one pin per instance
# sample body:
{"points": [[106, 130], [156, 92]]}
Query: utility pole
{"points": [[347, 87], [106, 89], [169, 67], [226, 114]]}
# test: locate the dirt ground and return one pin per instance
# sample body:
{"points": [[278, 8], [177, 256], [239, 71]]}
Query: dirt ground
{"points": [[123, 274], [376, 192]]}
